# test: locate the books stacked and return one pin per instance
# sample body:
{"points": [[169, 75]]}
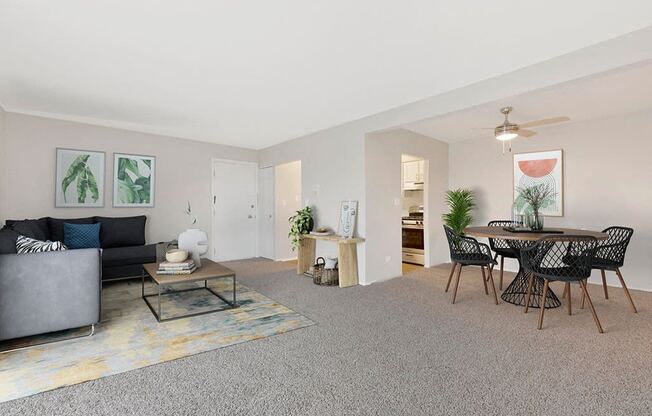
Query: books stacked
{"points": [[184, 267]]}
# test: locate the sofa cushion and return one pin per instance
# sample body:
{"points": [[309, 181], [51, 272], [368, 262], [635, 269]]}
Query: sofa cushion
{"points": [[56, 226], [122, 231], [31, 245], [37, 229], [81, 235], [8, 239], [123, 256]]}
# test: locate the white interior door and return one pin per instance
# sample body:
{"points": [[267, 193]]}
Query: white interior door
{"points": [[266, 213], [234, 210]]}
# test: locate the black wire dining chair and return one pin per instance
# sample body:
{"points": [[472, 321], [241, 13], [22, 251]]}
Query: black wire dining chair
{"points": [[567, 259], [467, 251], [610, 255], [501, 247]]}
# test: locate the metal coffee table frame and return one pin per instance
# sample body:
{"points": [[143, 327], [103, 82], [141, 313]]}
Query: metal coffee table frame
{"points": [[157, 312]]}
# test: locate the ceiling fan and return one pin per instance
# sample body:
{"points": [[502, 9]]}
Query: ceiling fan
{"points": [[508, 131]]}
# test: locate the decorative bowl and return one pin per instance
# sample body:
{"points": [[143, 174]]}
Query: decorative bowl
{"points": [[175, 255]]}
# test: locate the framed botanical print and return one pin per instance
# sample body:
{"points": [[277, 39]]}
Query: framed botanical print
{"points": [[79, 178], [133, 180], [541, 168]]}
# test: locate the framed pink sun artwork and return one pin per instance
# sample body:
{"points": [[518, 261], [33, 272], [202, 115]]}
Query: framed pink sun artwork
{"points": [[540, 168]]}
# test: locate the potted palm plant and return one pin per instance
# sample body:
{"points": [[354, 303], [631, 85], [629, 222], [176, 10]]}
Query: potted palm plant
{"points": [[536, 197], [300, 223], [461, 203]]}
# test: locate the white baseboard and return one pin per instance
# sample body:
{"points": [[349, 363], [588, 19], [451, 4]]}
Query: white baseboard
{"points": [[288, 259]]}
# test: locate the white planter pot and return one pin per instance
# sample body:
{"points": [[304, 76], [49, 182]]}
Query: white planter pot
{"points": [[195, 242]]}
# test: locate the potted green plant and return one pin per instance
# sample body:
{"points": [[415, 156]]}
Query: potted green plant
{"points": [[461, 203], [536, 197], [300, 223]]}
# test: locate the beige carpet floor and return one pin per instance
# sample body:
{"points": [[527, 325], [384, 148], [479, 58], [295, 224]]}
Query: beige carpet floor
{"points": [[394, 348], [129, 337]]}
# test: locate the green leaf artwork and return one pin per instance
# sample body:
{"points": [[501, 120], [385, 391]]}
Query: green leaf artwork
{"points": [[86, 182], [134, 180]]}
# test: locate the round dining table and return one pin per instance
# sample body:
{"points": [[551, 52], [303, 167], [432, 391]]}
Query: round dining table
{"points": [[516, 292]]}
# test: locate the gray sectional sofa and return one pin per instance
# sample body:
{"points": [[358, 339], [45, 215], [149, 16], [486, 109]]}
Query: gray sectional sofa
{"points": [[46, 292]]}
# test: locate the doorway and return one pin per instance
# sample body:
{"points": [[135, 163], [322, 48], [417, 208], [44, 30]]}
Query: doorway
{"points": [[413, 208], [235, 188], [287, 201], [279, 197]]}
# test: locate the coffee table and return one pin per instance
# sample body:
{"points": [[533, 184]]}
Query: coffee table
{"points": [[209, 270]]}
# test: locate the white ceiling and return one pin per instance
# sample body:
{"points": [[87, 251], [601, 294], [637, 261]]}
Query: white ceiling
{"points": [[623, 91], [256, 73]]}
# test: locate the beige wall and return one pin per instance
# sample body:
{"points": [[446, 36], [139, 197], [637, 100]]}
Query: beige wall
{"points": [[607, 176], [287, 200], [3, 172], [332, 170], [183, 172], [383, 187]]}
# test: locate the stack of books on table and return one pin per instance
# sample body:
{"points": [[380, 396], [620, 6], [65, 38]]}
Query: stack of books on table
{"points": [[184, 267]]}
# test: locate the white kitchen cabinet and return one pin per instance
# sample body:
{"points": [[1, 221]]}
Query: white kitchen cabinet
{"points": [[410, 171], [413, 175]]}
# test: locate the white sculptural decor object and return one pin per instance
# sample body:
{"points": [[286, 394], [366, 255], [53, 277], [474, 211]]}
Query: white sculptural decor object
{"points": [[195, 242]]}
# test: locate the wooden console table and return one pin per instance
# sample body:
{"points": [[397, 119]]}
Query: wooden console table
{"points": [[347, 256]]}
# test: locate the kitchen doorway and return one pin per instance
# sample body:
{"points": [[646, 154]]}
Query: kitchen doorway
{"points": [[413, 208]]}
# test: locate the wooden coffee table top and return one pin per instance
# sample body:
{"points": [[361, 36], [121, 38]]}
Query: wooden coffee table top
{"points": [[208, 270]]}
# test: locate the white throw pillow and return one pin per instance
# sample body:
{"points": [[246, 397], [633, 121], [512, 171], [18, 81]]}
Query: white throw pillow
{"points": [[31, 245]]}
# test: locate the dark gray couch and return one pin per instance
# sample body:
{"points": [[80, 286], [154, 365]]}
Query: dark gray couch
{"points": [[47, 292], [122, 240]]}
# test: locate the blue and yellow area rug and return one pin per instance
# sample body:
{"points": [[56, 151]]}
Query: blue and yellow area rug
{"points": [[129, 337]]}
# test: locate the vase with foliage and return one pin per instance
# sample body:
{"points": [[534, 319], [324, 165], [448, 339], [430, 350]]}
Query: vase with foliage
{"points": [[300, 223], [191, 216], [193, 240], [536, 197], [461, 203]]}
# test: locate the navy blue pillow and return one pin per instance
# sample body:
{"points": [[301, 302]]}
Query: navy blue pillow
{"points": [[81, 235]]}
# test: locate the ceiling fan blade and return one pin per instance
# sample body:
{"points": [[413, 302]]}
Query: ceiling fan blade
{"points": [[545, 121], [526, 133]]}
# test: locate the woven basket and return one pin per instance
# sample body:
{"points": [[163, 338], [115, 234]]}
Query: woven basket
{"points": [[323, 276]]}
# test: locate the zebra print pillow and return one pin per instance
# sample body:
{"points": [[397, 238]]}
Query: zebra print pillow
{"points": [[30, 245]]}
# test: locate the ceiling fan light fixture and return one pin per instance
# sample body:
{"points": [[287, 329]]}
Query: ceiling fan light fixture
{"points": [[506, 132]]}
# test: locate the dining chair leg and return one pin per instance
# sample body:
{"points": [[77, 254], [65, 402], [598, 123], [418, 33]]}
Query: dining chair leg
{"points": [[604, 284], [484, 280], [450, 276], [491, 266], [529, 292], [563, 295], [583, 299], [493, 286], [502, 264], [457, 282], [595, 316], [543, 303], [622, 282], [567, 289]]}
